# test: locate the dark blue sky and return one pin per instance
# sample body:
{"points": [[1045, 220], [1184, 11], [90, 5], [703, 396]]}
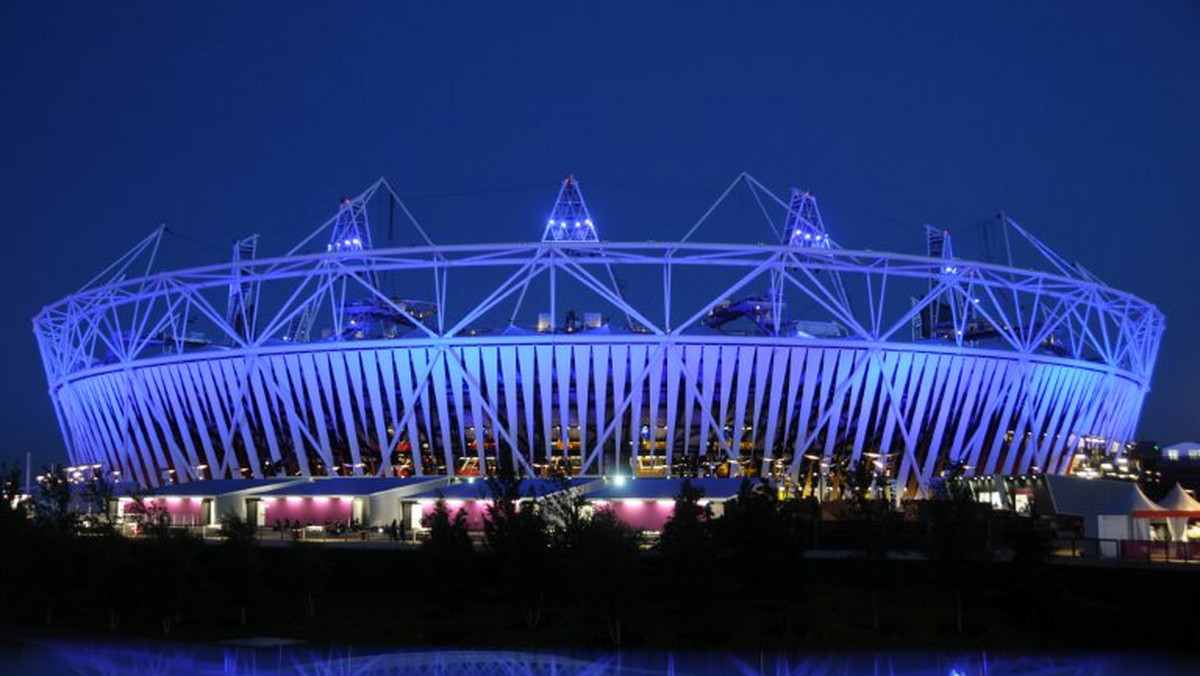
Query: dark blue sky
{"points": [[1080, 119]]}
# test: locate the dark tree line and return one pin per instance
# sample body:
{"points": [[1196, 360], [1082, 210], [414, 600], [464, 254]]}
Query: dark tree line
{"points": [[545, 568]]}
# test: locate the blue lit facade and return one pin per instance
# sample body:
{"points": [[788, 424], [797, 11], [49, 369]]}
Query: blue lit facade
{"points": [[152, 379]]}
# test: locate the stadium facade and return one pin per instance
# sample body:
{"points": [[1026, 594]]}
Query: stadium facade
{"points": [[795, 358]]}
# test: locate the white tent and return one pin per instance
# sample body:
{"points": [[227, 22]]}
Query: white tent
{"points": [[1111, 510], [1141, 509], [1178, 507]]}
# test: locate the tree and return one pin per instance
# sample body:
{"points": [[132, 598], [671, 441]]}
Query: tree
{"points": [[686, 532], [306, 576], [115, 575], [14, 528], [958, 543], [98, 492], [603, 552], [241, 572], [516, 534], [169, 575], [447, 534], [687, 553], [761, 539], [869, 515], [52, 502], [237, 530], [51, 559], [447, 550]]}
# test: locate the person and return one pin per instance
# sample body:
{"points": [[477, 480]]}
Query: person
{"points": [[400, 531]]}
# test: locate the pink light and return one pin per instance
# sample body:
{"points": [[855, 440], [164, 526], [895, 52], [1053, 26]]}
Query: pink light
{"points": [[665, 503], [321, 501], [173, 501], [294, 499], [454, 504]]}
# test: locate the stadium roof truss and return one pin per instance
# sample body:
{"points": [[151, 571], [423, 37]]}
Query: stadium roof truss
{"points": [[1053, 355]]}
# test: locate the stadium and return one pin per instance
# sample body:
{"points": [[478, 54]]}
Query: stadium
{"points": [[786, 356]]}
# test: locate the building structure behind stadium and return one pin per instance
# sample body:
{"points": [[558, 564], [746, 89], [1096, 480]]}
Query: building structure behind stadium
{"points": [[787, 355]]}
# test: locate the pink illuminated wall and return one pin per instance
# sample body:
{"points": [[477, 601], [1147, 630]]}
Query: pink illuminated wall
{"points": [[475, 509], [314, 511], [640, 514], [182, 511]]}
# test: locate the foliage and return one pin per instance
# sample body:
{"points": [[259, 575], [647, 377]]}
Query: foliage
{"points": [[448, 536], [52, 502], [238, 531], [98, 494], [603, 550], [959, 540], [687, 556], [518, 537], [686, 535], [763, 536]]}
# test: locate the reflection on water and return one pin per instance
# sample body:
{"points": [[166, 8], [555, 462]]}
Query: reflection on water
{"points": [[53, 657]]}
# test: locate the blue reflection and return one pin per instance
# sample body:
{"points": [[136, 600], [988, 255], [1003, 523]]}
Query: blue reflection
{"points": [[268, 657]]}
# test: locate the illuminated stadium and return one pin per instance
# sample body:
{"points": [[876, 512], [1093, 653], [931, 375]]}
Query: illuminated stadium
{"points": [[562, 353]]}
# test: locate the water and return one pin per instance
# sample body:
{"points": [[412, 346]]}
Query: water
{"points": [[51, 657]]}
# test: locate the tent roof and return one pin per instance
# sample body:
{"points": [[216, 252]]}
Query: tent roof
{"points": [[1090, 497], [1178, 500], [1183, 446]]}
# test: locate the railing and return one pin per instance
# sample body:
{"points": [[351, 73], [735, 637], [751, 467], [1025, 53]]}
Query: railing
{"points": [[1150, 551]]}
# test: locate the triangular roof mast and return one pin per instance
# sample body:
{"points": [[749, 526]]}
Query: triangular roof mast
{"points": [[570, 221], [350, 229], [803, 226]]}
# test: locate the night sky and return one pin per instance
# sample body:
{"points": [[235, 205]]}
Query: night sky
{"points": [[1079, 119]]}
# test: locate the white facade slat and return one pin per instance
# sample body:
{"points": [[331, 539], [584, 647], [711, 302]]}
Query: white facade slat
{"points": [[327, 405], [673, 355], [545, 381], [692, 356], [600, 371], [619, 370], [583, 373], [779, 374], [637, 367], [346, 407], [525, 355]]}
